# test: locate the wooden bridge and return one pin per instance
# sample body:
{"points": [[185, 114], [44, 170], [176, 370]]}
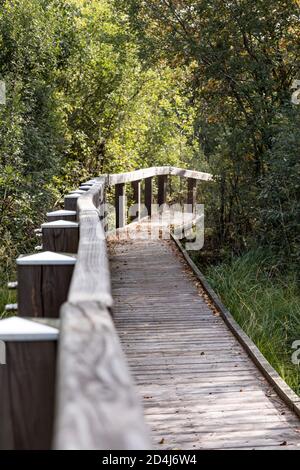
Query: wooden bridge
{"points": [[195, 380]]}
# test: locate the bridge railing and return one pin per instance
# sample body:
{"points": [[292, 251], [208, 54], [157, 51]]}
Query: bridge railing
{"points": [[97, 407], [162, 173], [75, 351]]}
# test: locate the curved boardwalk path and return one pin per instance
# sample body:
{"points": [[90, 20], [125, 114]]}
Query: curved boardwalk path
{"points": [[199, 388]]}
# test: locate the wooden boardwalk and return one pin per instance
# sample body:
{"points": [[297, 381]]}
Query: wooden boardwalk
{"points": [[199, 388]]}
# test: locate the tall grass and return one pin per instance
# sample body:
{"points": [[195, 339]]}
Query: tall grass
{"points": [[266, 304]]}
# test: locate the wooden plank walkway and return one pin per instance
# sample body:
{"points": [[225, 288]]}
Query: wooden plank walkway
{"points": [[199, 388]]}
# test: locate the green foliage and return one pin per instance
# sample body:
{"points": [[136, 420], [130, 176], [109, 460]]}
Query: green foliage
{"points": [[243, 57], [279, 197], [265, 303], [80, 101], [109, 86]]}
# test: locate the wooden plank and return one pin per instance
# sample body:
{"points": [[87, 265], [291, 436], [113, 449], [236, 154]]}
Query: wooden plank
{"points": [[192, 194], [95, 383], [70, 202], [148, 195], [62, 215], [43, 283], [60, 237], [136, 185], [91, 280], [198, 385], [162, 189], [27, 385], [97, 405], [120, 205], [197, 175], [156, 171], [42, 290], [138, 175]]}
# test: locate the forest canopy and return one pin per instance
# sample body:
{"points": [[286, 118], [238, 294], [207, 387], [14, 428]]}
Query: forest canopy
{"points": [[80, 101], [108, 86]]}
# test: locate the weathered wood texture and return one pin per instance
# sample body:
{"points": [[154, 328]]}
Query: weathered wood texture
{"points": [[27, 395], [120, 205], [162, 189], [148, 195], [70, 202], [43, 289], [136, 186], [64, 240], [156, 171], [91, 280], [199, 387], [97, 407], [191, 194], [54, 216]]}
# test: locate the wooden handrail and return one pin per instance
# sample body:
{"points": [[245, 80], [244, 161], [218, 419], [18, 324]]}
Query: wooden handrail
{"points": [[96, 406], [91, 279], [157, 171]]}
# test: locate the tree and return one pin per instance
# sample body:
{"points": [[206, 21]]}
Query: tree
{"points": [[244, 57]]}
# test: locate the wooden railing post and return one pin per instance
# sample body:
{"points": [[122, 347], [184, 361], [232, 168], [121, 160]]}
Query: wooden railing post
{"points": [[60, 236], [192, 194], [120, 202], [148, 195], [104, 212], [162, 189], [70, 202], [27, 380], [136, 185], [62, 215], [43, 283]]}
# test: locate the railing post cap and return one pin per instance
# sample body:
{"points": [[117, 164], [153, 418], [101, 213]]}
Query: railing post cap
{"points": [[20, 329], [60, 224], [61, 212], [78, 191], [46, 258], [72, 196], [90, 182]]}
